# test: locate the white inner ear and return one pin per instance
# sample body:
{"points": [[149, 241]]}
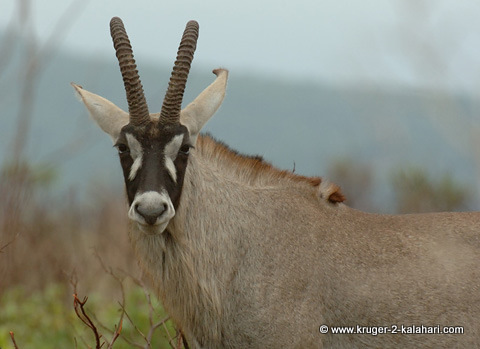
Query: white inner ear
{"points": [[107, 115], [136, 152], [197, 113], [170, 154]]}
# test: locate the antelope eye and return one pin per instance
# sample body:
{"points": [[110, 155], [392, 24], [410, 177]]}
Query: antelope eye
{"points": [[185, 149], [122, 148]]}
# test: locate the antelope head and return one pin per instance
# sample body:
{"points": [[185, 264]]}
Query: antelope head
{"points": [[154, 148]]}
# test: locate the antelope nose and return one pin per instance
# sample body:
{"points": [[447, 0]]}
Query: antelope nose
{"points": [[150, 212]]}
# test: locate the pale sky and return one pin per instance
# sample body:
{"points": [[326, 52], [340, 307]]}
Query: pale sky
{"points": [[432, 43]]}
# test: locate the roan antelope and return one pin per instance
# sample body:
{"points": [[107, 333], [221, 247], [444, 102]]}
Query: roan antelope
{"points": [[244, 255]]}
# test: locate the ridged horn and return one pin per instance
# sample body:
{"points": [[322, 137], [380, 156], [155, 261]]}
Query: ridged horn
{"points": [[137, 104], [172, 104]]}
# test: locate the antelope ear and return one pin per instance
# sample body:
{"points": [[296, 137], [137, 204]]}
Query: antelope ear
{"points": [[195, 115], [107, 115]]}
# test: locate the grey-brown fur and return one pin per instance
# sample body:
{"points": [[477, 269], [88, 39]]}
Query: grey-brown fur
{"points": [[263, 265]]}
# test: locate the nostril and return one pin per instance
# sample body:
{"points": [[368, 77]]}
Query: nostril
{"points": [[150, 219], [150, 212]]}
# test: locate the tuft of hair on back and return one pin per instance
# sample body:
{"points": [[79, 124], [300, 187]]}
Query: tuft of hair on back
{"points": [[331, 192]]}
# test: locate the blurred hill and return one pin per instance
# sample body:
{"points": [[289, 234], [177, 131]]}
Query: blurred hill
{"points": [[298, 125]]}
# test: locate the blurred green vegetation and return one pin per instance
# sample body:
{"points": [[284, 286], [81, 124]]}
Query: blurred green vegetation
{"points": [[45, 319], [416, 190], [37, 319], [39, 175]]}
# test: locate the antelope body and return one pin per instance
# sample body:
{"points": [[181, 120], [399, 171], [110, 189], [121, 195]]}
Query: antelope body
{"points": [[244, 255]]}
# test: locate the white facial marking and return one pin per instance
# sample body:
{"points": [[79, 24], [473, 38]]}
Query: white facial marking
{"points": [[155, 204], [136, 153], [171, 152], [172, 171]]}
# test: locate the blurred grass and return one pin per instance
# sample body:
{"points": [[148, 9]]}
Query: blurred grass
{"points": [[45, 319], [38, 319]]}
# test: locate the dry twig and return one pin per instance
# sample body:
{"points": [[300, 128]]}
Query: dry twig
{"points": [[91, 321], [79, 307], [9, 243], [155, 325], [12, 336]]}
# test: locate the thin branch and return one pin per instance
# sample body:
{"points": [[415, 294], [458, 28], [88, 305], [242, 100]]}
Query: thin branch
{"points": [[184, 340], [79, 307], [154, 326], [9, 243], [37, 58], [175, 342], [86, 319], [122, 306], [121, 335], [135, 327], [118, 327], [151, 311], [12, 336], [118, 330], [179, 342], [170, 339], [7, 46]]}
